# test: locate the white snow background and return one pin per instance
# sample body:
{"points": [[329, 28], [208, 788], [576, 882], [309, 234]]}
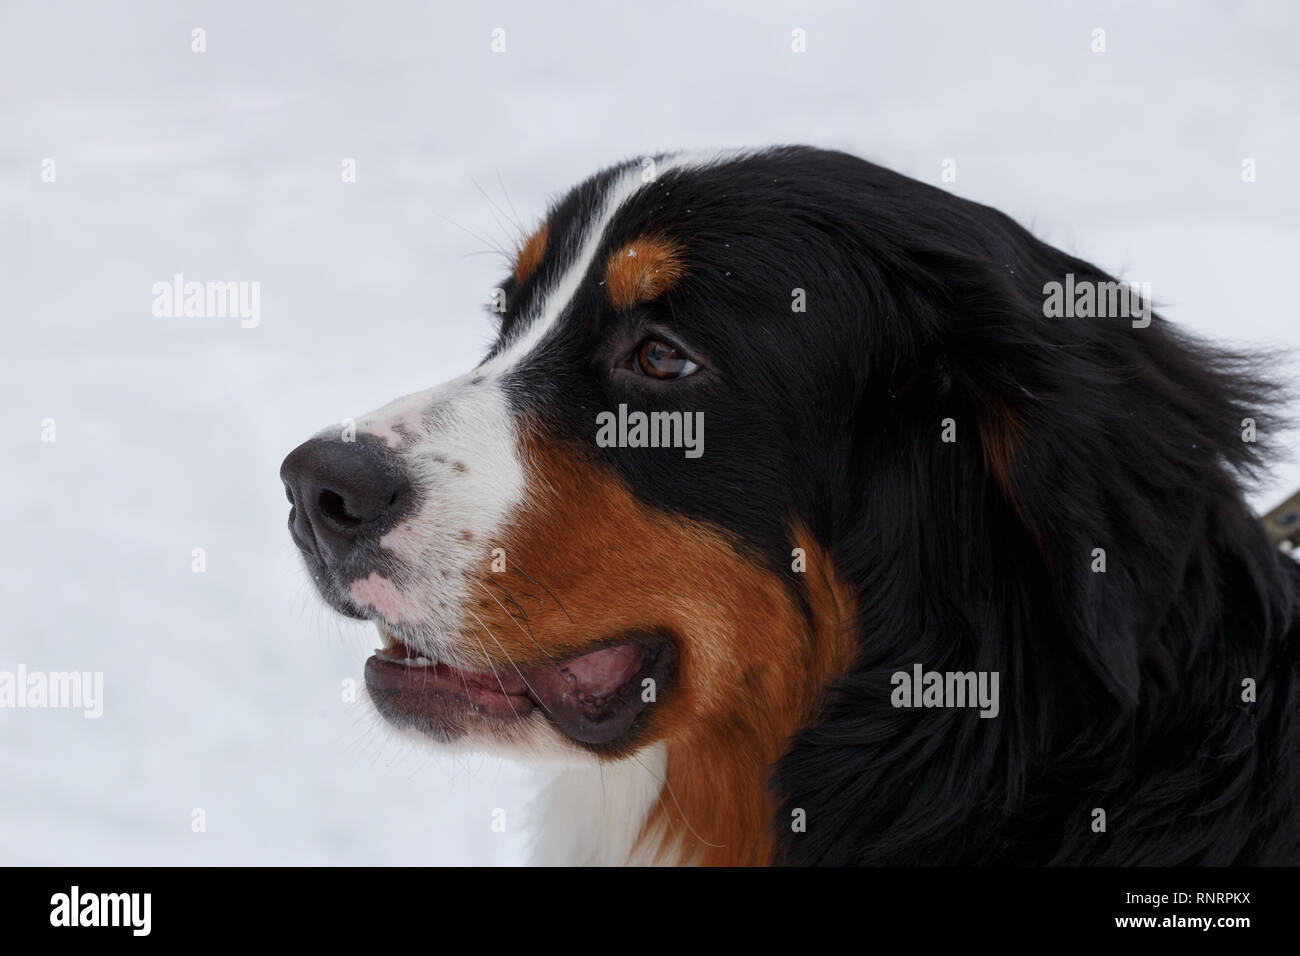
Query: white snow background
{"points": [[222, 689]]}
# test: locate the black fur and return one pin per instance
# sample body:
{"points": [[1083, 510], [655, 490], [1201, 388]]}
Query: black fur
{"points": [[1119, 690]]}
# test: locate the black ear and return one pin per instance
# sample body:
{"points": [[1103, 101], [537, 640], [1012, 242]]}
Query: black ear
{"points": [[1112, 442], [1078, 538]]}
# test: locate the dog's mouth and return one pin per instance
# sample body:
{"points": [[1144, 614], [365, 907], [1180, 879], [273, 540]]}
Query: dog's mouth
{"points": [[593, 698]]}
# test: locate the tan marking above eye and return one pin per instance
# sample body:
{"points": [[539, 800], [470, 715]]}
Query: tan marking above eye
{"points": [[530, 254], [643, 270]]}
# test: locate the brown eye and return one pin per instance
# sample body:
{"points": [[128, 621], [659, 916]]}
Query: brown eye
{"points": [[658, 359]]}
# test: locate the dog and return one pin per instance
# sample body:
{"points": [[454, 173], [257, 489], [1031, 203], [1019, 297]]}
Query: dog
{"points": [[955, 579]]}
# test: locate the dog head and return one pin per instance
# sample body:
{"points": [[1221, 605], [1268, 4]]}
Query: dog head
{"points": [[599, 537], [751, 422]]}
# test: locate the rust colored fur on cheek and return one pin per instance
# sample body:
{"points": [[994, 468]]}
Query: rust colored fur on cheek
{"points": [[643, 270], [588, 562], [531, 253]]}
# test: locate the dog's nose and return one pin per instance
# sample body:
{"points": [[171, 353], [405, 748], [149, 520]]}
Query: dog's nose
{"points": [[340, 491]]}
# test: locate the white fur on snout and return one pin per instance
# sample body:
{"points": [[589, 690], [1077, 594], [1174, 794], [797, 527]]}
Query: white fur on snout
{"points": [[395, 605], [392, 422], [405, 540], [457, 447]]}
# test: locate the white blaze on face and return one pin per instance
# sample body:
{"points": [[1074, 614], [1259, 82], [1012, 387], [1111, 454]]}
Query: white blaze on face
{"points": [[558, 298]]}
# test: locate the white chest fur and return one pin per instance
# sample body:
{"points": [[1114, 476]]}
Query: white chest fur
{"points": [[592, 814]]}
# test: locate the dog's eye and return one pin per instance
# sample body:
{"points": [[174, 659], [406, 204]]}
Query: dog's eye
{"points": [[658, 359]]}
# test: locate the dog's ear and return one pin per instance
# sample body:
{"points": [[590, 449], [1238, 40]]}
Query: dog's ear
{"points": [[1054, 501], [1101, 440]]}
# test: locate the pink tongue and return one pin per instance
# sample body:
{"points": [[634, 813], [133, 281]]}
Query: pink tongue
{"points": [[597, 674], [593, 698]]}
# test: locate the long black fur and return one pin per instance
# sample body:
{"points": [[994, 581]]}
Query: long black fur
{"points": [[1120, 690]]}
